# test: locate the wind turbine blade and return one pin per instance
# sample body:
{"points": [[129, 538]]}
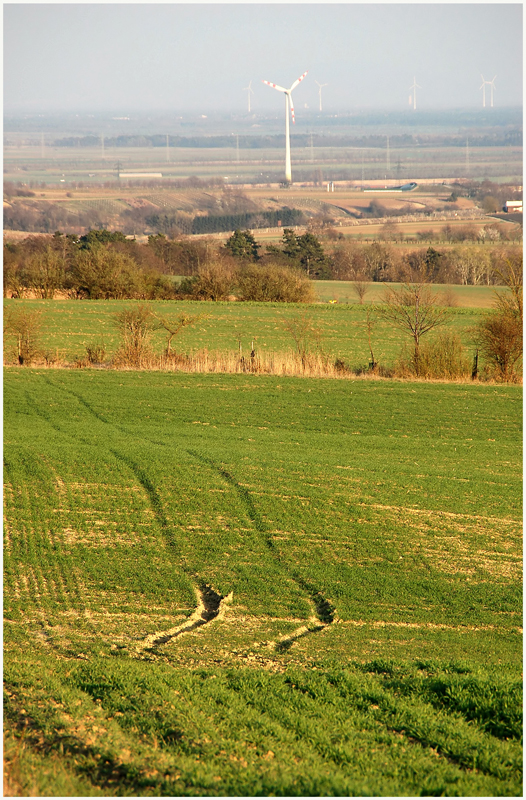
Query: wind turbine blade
{"points": [[275, 86], [298, 81]]}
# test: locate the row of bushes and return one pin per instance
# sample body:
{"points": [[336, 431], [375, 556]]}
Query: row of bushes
{"points": [[497, 338], [106, 273]]}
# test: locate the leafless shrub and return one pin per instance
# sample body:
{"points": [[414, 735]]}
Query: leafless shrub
{"points": [[25, 327], [444, 357], [360, 288], [448, 298], [307, 338], [498, 335], [135, 325], [95, 352], [213, 281]]}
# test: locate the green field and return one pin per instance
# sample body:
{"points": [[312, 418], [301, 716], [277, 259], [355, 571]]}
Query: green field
{"points": [[244, 585], [460, 296], [68, 326]]}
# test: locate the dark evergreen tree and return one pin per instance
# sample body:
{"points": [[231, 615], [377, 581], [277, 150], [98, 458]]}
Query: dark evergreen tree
{"points": [[93, 238], [243, 245], [312, 257]]}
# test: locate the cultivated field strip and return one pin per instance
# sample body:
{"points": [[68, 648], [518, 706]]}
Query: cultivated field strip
{"points": [[242, 519]]}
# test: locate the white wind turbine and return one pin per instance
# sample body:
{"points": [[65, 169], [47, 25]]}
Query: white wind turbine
{"points": [[491, 84], [321, 85], [250, 91], [288, 101], [414, 87]]}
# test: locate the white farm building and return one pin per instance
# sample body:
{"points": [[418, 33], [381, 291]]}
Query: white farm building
{"points": [[513, 205]]}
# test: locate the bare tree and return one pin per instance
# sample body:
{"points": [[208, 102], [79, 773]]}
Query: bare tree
{"points": [[25, 326], [511, 276], [413, 309], [360, 288], [175, 326], [46, 272]]}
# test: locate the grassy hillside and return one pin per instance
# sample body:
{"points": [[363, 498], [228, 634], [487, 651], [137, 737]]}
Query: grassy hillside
{"points": [[238, 585]]}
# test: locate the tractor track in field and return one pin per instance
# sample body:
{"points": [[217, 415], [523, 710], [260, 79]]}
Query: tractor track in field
{"points": [[323, 615], [210, 606]]}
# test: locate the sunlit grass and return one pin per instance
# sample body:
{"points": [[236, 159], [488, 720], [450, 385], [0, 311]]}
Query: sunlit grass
{"points": [[397, 505]]}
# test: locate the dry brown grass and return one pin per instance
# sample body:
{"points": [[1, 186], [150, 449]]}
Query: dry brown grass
{"points": [[284, 364]]}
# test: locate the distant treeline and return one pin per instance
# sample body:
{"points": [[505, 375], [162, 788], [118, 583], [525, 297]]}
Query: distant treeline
{"points": [[492, 138], [218, 223], [105, 264], [261, 219]]}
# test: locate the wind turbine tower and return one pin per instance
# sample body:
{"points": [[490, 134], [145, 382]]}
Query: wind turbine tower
{"points": [[492, 89], [249, 91], [288, 102], [413, 88], [321, 85]]}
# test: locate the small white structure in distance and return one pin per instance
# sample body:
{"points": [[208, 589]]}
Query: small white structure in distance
{"points": [[513, 205], [140, 175]]}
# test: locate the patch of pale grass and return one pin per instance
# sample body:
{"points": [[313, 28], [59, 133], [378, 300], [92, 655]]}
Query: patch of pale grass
{"points": [[459, 543]]}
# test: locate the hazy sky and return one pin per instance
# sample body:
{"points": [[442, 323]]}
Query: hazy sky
{"points": [[130, 57]]}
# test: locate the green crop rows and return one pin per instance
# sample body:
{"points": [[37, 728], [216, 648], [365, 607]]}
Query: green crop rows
{"points": [[365, 538]]}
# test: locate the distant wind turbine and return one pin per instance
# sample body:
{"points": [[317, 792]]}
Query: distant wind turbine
{"points": [[249, 91], [288, 101], [490, 83], [321, 85], [414, 87]]}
